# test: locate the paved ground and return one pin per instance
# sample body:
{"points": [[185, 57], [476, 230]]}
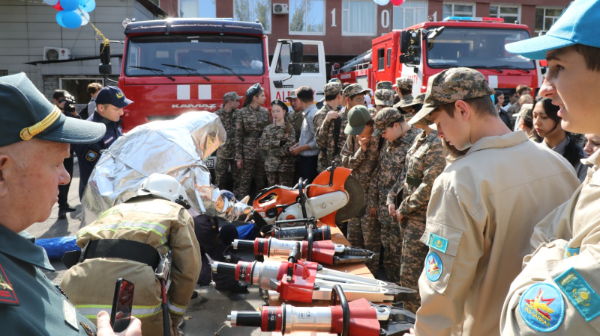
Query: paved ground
{"points": [[206, 313]]}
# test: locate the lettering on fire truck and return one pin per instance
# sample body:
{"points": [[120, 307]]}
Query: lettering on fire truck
{"points": [[194, 106]]}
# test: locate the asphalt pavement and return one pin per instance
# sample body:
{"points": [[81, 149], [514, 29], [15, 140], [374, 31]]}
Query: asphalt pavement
{"points": [[205, 315]]}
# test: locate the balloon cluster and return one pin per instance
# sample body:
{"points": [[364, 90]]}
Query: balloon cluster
{"points": [[385, 2], [72, 13]]}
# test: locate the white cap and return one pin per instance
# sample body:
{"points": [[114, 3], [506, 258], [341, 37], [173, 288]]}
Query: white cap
{"points": [[163, 186]]}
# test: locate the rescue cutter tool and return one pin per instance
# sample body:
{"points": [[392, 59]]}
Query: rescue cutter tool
{"points": [[356, 318], [305, 281], [325, 252], [332, 198]]}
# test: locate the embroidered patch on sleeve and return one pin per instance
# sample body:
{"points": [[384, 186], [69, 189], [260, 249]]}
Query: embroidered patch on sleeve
{"points": [[580, 293], [571, 251], [91, 156], [437, 242], [542, 307], [7, 293], [433, 266]]}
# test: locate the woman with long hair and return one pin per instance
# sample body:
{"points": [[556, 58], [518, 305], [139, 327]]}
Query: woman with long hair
{"points": [[275, 142], [546, 122], [250, 124]]}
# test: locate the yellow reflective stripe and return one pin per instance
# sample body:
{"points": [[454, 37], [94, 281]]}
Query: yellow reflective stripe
{"points": [[155, 227], [177, 309], [91, 311]]}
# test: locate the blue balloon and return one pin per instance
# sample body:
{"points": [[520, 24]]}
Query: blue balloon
{"points": [[69, 5], [68, 19], [89, 5]]}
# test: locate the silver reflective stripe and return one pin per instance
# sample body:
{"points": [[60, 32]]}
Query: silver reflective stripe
{"points": [[177, 309], [91, 311], [157, 228]]}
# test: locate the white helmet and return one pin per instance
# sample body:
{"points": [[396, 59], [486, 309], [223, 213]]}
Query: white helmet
{"points": [[163, 186]]}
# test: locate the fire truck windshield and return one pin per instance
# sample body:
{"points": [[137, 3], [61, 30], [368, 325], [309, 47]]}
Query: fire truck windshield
{"points": [[476, 47], [193, 55]]}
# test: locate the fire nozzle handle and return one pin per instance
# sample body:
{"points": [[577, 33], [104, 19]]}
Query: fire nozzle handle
{"points": [[245, 319], [243, 245], [225, 268]]}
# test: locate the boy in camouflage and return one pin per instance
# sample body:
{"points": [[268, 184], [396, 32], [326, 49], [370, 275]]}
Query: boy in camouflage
{"points": [[361, 154], [275, 142], [404, 90], [399, 136], [384, 97], [425, 161], [295, 116], [330, 118], [226, 153]]}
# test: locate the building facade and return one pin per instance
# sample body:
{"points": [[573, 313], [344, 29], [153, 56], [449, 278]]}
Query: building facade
{"points": [[348, 26]]}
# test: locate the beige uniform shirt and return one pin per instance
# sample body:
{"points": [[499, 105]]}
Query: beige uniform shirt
{"points": [[565, 266], [481, 214]]}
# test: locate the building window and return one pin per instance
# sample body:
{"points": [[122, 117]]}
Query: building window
{"points": [[198, 8], [510, 14], [252, 10], [77, 87], [307, 17], [410, 13], [359, 17], [459, 9], [545, 18]]}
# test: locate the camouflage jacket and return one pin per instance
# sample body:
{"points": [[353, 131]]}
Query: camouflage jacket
{"points": [[296, 119], [227, 150], [277, 155], [511, 111], [249, 126], [373, 111], [425, 161], [391, 164], [362, 163], [325, 138]]}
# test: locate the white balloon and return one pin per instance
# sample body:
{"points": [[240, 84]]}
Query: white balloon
{"points": [[85, 16], [51, 2], [382, 2]]}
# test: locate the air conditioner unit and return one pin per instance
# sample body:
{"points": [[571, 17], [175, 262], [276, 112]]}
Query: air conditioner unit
{"points": [[280, 8], [56, 54]]}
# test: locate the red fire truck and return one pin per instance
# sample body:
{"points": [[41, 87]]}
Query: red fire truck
{"points": [[428, 48], [179, 65]]}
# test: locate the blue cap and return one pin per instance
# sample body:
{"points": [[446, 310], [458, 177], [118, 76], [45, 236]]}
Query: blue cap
{"points": [[112, 95], [577, 25], [26, 114]]}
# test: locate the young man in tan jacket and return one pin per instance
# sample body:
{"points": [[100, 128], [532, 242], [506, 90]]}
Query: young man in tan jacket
{"points": [[482, 209], [557, 291]]}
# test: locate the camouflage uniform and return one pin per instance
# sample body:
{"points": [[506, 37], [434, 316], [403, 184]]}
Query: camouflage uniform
{"points": [[511, 111], [405, 84], [384, 96], [279, 162], [363, 232], [225, 154], [425, 161], [249, 126], [391, 164], [324, 131]]}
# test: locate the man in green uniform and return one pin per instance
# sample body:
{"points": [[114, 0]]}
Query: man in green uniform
{"points": [[34, 141], [226, 153], [384, 97], [399, 137], [328, 119], [361, 154], [404, 90]]}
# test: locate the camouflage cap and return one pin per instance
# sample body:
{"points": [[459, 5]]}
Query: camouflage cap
{"points": [[230, 96], [332, 89], [354, 89], [335, 80], [358, 117], [526, 112], [384, 97], [417, 100], [451, 85], [404, 83], [292, 95], [384, 85], [386, 117], [405, 100]]}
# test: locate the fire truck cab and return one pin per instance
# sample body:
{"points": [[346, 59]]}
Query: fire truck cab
{"points": [[428, 48]]}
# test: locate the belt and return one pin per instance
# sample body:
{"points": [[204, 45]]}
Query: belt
{"points": [[413, 181], [252, 134], [114, 248]]}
